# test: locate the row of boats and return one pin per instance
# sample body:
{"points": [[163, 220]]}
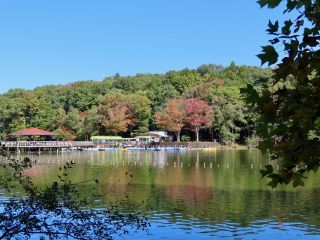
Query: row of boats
{"points": [[146, 149], [138, 149]]}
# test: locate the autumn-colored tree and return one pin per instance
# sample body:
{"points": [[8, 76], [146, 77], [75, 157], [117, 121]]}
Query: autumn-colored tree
{"points": [[65, 133], [199, 115], [173, 116], [116, 119], [117, 116]]}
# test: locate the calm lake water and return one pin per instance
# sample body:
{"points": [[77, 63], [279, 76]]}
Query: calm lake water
{"points": [[196, 194]]}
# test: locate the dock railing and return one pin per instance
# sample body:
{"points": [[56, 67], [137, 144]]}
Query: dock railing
{"points": [[46, 144]]}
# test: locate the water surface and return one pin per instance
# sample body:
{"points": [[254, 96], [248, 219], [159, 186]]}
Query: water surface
{"points": [[195, 194]]}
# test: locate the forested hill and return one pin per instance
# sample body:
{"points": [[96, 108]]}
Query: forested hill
{"points": [[128, 105]]}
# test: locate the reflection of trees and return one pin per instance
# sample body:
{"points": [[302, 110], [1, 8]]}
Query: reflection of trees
{"points": [[233, 191], [193, 186], [196, 195], [37, 171]]}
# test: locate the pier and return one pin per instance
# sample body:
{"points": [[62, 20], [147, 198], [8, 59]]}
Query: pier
{"points": [[44, 145]]}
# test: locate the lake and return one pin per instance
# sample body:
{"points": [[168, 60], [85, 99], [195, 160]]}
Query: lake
{"points": [[196, 194]]}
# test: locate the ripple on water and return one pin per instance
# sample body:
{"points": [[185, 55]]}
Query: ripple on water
{"points": [[227, 201], [196, 229]]}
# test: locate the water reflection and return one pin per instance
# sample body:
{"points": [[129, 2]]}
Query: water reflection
{"points": [[196, 194]]}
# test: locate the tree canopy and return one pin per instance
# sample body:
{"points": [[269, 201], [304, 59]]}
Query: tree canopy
{"points": [[289, 104], [126, 105]]}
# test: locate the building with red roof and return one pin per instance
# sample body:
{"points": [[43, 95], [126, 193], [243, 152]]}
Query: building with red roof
{"points": [[33, 132]]}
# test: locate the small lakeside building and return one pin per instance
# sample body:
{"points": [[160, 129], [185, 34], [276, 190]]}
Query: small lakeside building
{"points": [[153, 137]]}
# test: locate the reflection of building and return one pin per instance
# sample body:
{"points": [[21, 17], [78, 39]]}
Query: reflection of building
{"points": [[153, 137], [161, 157]]}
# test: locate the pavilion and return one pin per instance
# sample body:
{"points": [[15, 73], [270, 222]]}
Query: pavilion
{"points": [[39, 145], [29, 132]]}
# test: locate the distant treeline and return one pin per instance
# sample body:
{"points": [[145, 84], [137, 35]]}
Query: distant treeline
{"points": [[129, 105]]}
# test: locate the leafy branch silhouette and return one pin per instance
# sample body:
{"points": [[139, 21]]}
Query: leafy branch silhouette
{"points": [[58, 210]]}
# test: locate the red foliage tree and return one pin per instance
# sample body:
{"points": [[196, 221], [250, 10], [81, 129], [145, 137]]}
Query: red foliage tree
{"points": [[117, 116], [173, 116], [198, 115]]}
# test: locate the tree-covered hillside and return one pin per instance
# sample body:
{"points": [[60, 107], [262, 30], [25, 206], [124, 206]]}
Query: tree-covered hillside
{"points": [[127, 105]]}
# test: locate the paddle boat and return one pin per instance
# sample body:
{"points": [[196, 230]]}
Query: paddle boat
{"points": [[209, 149]]}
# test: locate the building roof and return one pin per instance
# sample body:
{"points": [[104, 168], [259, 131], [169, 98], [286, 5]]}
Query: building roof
{"points": [[156, 134], [160, 133], [33, 132]]}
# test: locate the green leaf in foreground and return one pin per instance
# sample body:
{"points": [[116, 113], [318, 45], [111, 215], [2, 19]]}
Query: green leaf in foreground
{"points": [[269, 3], [268, 169], [268, 55]]}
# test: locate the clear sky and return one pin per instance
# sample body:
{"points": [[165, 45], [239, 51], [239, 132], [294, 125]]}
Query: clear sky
{"points": [[54, 42]]}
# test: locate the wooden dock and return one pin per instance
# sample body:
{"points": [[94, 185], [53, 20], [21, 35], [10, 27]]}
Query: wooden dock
{"points": [[45, 145]]}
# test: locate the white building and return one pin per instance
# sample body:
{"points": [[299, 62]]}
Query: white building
{"points": [[153, 136]]}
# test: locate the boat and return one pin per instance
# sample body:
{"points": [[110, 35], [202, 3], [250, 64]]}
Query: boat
{"points": [[91, 149], [181, 149], [209, 149], [136, 148], [174, 148], [99, 149], [169, 148], [107, 149]]}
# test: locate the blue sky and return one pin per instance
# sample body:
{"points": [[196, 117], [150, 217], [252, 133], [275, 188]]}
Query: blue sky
{"points": [[55, 42]]}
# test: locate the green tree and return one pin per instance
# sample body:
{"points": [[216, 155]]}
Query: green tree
{"points": [[91, 124], [239, 76], [289, 105], [84, 95], [44, 116], [131, 84], [206, 69], [227, 115], [140, 106], [182, 79], [230, 113], [160, 93], [69, 124]]}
